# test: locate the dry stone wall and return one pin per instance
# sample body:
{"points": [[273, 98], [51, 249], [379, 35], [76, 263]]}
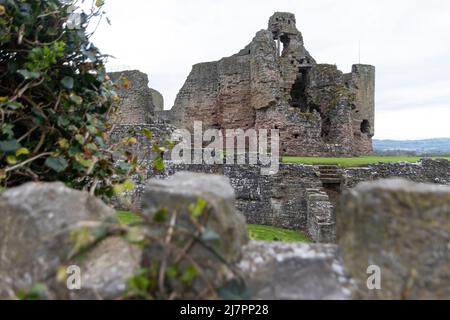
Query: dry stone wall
{"points": [[295, 197], [398, 226], [429, 171], [160, 132], [277, 200]]}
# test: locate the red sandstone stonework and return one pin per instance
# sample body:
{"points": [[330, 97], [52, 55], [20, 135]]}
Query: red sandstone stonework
{"points": [[274, 83]]}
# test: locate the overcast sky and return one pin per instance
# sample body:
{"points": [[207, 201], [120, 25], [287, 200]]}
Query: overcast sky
{"points": [[407, 40]]}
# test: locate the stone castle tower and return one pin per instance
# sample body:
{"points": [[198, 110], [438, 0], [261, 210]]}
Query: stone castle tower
{"points": [[275, 83]]}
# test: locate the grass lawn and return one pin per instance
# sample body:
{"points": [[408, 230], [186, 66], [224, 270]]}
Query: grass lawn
{"points": [[266, 233], [353, 162], [126, 217], [257, 232]]}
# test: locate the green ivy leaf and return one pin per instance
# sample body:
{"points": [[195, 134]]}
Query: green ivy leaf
{"points": [[92, 130], [161, 215], [139, 282], [196, 209], [7, 129], [118, 188], [37, 292], [80, 238], [128, 185], [80, 139], [28, 75], [57, 164], [67, 82], [9, 146], [63, 143], [158, 163], [22, 152], [87, 163], [76, 99], [99, 3], [155, 147], [14, 105], [11, 159], [189, 274], [124, 166], [147, 133], [92, 147], [172, 272]]}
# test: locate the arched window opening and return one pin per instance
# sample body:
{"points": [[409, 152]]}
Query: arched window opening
{"points": [[365, 126]]}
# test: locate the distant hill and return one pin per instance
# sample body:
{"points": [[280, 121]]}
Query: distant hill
{"points": [[422, 147]]}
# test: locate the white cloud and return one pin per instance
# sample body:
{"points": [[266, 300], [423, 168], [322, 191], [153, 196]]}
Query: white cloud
{"points": [[407, 40]]}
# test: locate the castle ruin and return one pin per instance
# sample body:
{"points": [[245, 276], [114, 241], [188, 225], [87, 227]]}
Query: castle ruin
{"points": [[274, 83]]}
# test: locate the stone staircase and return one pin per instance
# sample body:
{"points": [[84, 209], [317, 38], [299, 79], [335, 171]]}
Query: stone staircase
{"points": [[330, 174]]}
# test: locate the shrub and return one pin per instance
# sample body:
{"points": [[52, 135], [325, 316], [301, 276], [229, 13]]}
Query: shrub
{"points": [[55, 98]]}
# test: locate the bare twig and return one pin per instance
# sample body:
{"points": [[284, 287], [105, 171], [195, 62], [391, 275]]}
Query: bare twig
{"points": [[20, 165], [163, 267]]}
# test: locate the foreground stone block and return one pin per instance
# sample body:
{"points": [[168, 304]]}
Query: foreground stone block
{"points": [[36, 220], [285, 271], [225, 229], [320, 217], [105, 271], [402, 227]]}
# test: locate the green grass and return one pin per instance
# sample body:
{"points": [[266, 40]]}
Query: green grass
{"points": [[257, 232], [266, 233], [126, 217], [354, 162]]}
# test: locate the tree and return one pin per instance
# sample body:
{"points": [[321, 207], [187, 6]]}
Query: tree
{"points": [[55, 98]]}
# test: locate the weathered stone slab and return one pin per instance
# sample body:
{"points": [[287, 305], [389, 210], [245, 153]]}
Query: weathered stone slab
{"points": [[404, 229], [105, 271], [284, 271], [36, 220], [177, 194]]}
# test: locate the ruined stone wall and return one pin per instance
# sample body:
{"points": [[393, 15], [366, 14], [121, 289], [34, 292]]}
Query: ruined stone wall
{"points": [[160, 132], [276, 200], [200, 90], [321, 219], [158, 100], [426, 171], [294, 198], [361, 82], [274, 83], [138, 102], [165, 115]]}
